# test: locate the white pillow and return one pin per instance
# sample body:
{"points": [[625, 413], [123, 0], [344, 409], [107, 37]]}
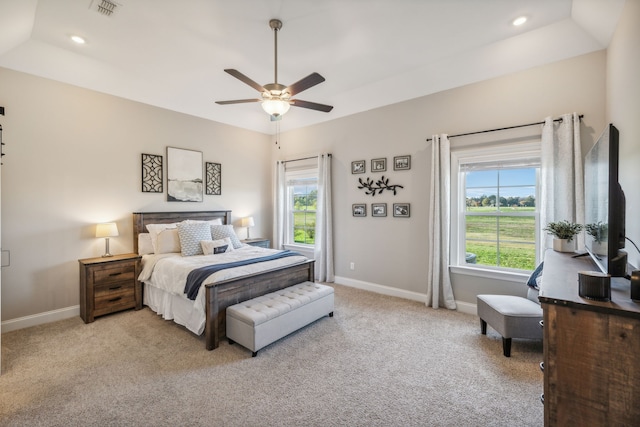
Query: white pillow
{"points": [[155, 229], [168, 241], [214, 247], [191, 234], [144, 244], [222, 231]]}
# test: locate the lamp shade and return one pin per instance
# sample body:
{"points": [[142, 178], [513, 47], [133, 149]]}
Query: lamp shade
{"points": [[275, 107], [108, 229], [247, 222]]}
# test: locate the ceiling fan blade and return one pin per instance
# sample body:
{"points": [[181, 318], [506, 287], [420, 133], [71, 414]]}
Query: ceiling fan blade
{"points": [[311, 105], [238, 75], [304, 84], [238, 101]]}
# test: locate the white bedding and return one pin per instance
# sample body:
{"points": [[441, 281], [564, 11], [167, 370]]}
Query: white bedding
{"points": [[167, 274]]}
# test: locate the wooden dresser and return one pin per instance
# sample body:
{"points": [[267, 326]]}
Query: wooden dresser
{"points": [[591, 349], [108, 285]]}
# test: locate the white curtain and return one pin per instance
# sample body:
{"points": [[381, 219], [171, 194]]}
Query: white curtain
{"points": [[280, 206], [562, 185], [438, 279], [323, 250]]}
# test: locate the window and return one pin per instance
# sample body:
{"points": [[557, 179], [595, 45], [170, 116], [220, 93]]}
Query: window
{"points": [[494, 211], [302, 194]]}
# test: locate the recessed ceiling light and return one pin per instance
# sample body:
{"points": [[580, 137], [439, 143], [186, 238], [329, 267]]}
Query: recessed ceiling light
{"points": [[78, 39], [519, 21]]}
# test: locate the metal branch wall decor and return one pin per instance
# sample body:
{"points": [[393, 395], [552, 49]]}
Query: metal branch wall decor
{"points": [[372, 187], [214, 179], [151, 173]]}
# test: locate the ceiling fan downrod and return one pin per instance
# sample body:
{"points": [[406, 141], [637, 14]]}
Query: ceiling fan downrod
{"points": [[275, 25]]}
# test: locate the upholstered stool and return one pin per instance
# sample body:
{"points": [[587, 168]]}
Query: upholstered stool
{"points": [[511, 317]]}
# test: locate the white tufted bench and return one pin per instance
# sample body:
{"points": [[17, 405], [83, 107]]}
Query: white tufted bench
{"points": [[261, 321]]}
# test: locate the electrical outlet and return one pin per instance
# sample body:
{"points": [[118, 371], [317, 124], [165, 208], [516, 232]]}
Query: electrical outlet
{"points": [[352, 266]]}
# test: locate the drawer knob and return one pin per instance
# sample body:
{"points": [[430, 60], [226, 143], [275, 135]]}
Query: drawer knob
{"points": [[113, 288], [115, 274], [115, 299]]}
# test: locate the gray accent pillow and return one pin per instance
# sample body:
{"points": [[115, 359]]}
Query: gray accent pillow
{"points": [[222, 231], [191, 234]]}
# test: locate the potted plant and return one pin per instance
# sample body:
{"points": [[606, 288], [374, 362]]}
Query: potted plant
{"points": [[598, 233], [564, 232]]}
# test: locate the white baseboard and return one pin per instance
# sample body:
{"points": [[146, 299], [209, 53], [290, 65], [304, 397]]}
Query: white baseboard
{"points": [[66, 313], [463, 307], [40, 318], [467, 307]]}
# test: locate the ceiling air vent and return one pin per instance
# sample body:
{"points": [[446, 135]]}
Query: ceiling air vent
{"points": [[104, 7]]}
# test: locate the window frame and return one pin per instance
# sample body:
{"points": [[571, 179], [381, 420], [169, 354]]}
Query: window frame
{"points": [[299, 174], [493, 153]]}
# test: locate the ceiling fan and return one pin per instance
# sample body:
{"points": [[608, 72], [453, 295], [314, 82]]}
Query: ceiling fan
{"points": [[276, 98]]}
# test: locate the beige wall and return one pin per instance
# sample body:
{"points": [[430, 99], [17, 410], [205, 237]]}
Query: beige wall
{"points": [[390, 253], [73, 159], [623, 110]]}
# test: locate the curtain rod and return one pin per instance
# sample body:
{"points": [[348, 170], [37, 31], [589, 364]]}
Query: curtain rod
{"points": [[304, 158], [509, 127]]}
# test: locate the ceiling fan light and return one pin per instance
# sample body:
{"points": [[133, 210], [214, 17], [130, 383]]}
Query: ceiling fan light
{"points": [[275, 107]]}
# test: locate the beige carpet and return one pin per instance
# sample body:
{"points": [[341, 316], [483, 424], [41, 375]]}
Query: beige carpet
{"points": [[380, 361]]}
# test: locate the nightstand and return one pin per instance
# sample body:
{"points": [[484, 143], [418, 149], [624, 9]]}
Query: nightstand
{"points": [[263, 243], [108, 285]]}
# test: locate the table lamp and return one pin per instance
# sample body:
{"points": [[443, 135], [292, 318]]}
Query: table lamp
{"points": [[247, 222], [106, 230]]}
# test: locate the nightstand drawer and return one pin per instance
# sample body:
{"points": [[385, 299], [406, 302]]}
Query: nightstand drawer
{"points": [[111, 300], [112, 274]]}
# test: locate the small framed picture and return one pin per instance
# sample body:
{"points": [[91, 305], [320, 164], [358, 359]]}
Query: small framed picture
{"points": [[402, 210], [359, 166], [402, 163], [379, 165], [359, 209], [378, 209]]}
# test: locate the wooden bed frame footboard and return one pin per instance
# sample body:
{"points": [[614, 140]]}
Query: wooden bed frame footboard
{"points": [[229, 292], [221, 295]]}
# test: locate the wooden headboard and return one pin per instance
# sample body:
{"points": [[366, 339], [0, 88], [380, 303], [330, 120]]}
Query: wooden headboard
{"points": [[141, 219]]}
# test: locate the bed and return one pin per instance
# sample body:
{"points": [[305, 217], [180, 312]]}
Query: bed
{"points": [[220, 294]]}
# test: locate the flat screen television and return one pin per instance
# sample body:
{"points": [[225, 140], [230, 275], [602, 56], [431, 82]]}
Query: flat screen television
{"points": [[605, 205]]}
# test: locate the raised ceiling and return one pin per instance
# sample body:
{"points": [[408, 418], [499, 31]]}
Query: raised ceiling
{"points": [[171, 54]]}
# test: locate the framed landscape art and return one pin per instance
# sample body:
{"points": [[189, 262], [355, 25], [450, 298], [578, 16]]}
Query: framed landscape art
{"points": [[184, 175]]}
